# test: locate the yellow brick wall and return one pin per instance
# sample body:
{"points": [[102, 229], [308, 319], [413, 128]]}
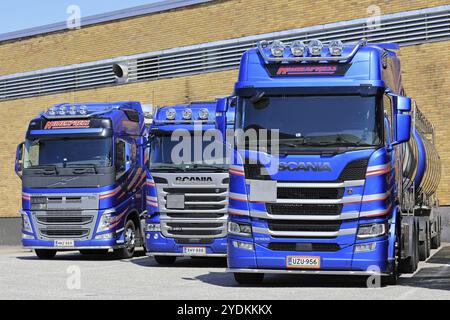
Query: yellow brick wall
{"points": [[425, 77]]}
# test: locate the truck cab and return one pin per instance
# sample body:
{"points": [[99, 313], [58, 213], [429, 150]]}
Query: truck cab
{"points": [[325, 176], [83, 178], [187, 187]]}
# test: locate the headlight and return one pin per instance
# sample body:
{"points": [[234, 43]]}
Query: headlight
{"points": [[105, 221], [105, 236], [243, 245], [153, 227], [26, 224], [277, 48], [372, 230], [240, 229]]}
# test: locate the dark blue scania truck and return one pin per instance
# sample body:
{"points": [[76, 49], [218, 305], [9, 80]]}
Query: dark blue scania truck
{"points": [[357, 170], [82, 170]]}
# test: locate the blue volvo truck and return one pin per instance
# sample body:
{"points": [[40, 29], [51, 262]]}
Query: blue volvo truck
{"points": [[345, 181], [83, 179], [187, 200]]}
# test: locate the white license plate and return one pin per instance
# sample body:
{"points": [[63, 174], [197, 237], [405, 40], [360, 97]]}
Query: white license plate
{"points": [[303, 262], [194, 250], [64, 243]]}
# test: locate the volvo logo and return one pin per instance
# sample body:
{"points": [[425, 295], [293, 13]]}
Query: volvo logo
{"points": [[193, 179], [305, 166]]}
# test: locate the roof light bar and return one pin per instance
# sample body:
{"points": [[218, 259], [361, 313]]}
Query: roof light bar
{"points": [[277, 48], [336, 47], [315, 47], [187, 114], [171, 114], [203, 114], [337, 58], [298, 48]]}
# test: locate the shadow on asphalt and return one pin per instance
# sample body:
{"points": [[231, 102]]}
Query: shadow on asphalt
{"points": [[184, 263], [76, 256], [428, 277]]}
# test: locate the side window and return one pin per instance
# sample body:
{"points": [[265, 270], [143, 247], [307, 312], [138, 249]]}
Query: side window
{"points": [[389, 129], [121, 157]]}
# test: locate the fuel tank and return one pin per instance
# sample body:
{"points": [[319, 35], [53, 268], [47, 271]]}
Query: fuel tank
{"points": [[421, 165]]}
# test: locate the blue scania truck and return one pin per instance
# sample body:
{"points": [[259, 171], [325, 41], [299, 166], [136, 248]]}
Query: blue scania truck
{"points": [[345, 181], [83, 178], [187, 199]]}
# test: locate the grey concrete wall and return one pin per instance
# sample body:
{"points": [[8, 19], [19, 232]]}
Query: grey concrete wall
{"points": [[445, 212], [10, 234]]}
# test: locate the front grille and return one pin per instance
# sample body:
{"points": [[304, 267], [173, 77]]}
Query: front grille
{"points": [[310, 193], [64, 219], [194, 241], [196, 215], [304, 226], [176, 225], [192, 230], [197, 232], [304, 247], [65, 233], [355, 170], [303, 209], [194, 190]]}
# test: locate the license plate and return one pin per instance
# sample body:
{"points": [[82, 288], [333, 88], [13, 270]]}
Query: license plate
{"points": [[303, 262], [175, 201], [64, 243], [194, 250]]}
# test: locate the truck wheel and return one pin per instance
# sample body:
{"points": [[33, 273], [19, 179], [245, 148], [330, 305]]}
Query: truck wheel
{"points": [[436, 240], [94, 252], [249, 278], [165, 260], [45, 254], [392, 279], [424, 246], [127, 252]]}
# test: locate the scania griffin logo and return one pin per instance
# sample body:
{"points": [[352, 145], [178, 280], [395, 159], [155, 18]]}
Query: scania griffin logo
{"points": [[305, 166], [193, 179]]}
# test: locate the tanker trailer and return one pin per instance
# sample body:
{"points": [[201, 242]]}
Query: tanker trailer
{"points": [[421, 176]]}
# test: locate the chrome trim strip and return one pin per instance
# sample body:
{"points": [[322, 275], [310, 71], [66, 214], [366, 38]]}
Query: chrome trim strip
{"points": [[341, 232], [319, 272], [349, 199], [238, 212], [238, 196], [344, 184], [342, 216]]}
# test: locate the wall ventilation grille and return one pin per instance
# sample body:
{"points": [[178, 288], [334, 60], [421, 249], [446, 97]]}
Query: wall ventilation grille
{"points": [[407, 28]]}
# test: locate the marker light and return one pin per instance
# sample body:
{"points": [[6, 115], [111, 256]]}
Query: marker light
{"points": [[52, 111], [315, 47], [187, 114], [203, 114], [83, 110], [171, 114], [298, 48], [62, 110], [336, 47], [277, 48]]}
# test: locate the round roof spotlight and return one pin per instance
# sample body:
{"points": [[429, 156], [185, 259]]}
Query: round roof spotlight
{"points": [[62, 110], [83, 110], [315, 47], [187, 114], [277, 48], [298, 48], [336, 47], [203, 114], [73, 110], [171, 114], [51, 111]]}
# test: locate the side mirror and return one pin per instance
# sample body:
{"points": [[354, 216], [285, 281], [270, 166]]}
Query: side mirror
{"points": [[18, 165], [402, 118]]}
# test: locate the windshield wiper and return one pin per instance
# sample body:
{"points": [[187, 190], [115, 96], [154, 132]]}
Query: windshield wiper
{"points": [[204, 166], [83, 168], [47, 169], [166, 167]]}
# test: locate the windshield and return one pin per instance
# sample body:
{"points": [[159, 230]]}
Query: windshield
{"points": [[315, 120], [186, 153], [68, 152]]}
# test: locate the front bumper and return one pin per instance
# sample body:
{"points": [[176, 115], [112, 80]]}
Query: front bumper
{"points": [[78, 245], [157, 245], [308, 272], [343, 261]]}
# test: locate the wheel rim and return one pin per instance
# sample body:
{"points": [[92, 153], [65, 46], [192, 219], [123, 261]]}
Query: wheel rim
{"points": [[130, 239]]}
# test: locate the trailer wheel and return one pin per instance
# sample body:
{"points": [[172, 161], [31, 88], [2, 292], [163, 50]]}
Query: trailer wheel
{"points": [[424, 246], [249, 278], [165, 260], [45, 254], [436, 240], [127, 252]]}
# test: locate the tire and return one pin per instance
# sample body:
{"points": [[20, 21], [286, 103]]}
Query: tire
{"points": [[165, 260], [393, 278], [89, 252], [45, 254], [249, 278], [436, 240], [127, 252]]}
